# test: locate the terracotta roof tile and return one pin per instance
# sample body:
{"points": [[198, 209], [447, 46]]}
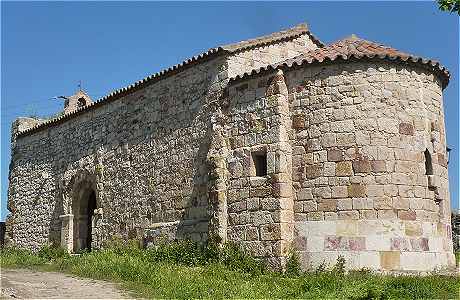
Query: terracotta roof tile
{"points": [[355, 48], [271, 38]]}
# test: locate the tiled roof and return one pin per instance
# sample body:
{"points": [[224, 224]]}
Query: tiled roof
{"points": [[271, 38], [354, 48], [288, 34]]}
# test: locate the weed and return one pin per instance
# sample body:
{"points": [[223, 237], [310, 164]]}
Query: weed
{"points": [[293, 266], [190, 270]]}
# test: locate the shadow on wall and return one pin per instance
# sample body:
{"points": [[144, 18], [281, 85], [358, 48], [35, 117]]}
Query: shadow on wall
{"points": [[193, 221], [2, 234]]}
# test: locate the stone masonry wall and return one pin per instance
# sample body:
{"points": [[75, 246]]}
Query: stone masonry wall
{"points": [[360, 188], [260, 206], [360, 132], [249, 60], [144, 155]]}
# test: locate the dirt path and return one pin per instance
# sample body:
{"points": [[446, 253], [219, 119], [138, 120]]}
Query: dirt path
{"points": [[26, 284]]}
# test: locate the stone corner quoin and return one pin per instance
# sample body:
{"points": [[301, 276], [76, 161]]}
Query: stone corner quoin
{"points": [[275, 143]]}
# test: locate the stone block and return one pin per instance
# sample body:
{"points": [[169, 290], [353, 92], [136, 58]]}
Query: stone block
{"points": [[281, 190], [363, 203], [400, 244], [388, 125], [313, 171], [390, 260], [390, 190], [419, 244], [361, 166], [401, 203], [252, 233], [327, 205], [335, 243], [322, 228], [357, 243], [369, 260], [346, 227], [330, 216], [407, 215], [298, 121], [304, 194], [368, 214], [384, 202], [356, 190], [378, 242], [417, 261], [309, 206], [406, 129], [342, 126], [345, 139], [348, 215], [328, 140], [413, 229], [378, 166], [399, 178], [315, 216], [315, 243], [339, 191], [334, 155], [344, 204], [415, 203], [386, 214], [260, 218], [253, 204], [270, 232], [375, 190], [329, 169]]}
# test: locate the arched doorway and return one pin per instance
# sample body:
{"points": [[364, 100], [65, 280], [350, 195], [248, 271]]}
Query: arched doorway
{"points": [[83, 208]]}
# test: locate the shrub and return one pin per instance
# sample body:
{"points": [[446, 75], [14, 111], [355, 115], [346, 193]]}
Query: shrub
{"points": [[339, 267], [234, 258], [293, 266], [50, 252]]}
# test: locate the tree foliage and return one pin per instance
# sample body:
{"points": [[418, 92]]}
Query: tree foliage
{"points": [[449, 5]]}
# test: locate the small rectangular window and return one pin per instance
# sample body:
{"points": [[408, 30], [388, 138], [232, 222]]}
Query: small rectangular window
{"points": [[260, 163]]}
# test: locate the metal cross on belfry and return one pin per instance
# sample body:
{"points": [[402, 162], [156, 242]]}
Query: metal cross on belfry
{"points": [[79, 85]]}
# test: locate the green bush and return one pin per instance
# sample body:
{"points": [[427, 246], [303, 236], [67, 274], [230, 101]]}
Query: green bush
{"points": [[293, 266], [50, 252]]}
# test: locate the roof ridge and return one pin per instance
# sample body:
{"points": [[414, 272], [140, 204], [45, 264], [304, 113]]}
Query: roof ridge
{"points": [[297, 30]]}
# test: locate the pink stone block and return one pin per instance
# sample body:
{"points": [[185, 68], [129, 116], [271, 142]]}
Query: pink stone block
{"points": [[344, 243], [449, 231], [357, 243], [399, 243], [335, 243], [420, 244]]}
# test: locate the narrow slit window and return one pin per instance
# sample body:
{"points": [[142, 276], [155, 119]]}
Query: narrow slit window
{"points": [[260, 163], [428, 163]]}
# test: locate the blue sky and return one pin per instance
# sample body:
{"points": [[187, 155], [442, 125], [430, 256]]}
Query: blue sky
{"points": [[46, 48]]}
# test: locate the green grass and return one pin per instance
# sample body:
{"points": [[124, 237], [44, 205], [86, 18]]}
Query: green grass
{"points": [[186, 270]]}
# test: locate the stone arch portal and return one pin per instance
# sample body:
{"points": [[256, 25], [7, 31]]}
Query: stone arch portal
{"points": [[77, 231], [83, 206]]}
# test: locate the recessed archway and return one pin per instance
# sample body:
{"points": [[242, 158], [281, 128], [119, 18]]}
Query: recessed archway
{"points": [[83, 205]]}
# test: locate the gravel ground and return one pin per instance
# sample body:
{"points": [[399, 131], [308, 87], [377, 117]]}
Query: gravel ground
{"points": [[27, 284]]}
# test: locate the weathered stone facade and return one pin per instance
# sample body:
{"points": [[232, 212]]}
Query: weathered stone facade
{"points": [[273, 143]]}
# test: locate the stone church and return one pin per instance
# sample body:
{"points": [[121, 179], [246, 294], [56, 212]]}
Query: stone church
{"points": [[279, 143]]}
